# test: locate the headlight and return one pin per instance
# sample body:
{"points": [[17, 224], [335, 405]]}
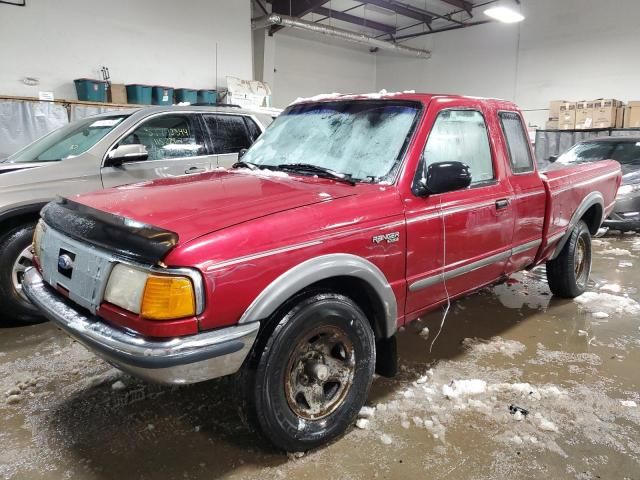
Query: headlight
{"points": [[627, 189], [37, 238], [152, 296]]}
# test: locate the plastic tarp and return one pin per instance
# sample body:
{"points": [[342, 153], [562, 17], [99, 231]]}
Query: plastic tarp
{"points": [[23, 122]]}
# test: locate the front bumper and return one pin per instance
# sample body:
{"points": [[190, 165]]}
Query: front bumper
{"points": [[180, 360], [626, 214]]}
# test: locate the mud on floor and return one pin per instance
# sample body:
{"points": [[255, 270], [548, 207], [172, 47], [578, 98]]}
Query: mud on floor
{"points": [[572, 366]]}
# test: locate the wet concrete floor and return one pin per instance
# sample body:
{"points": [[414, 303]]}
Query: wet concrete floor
{"points": [[573, 365]]}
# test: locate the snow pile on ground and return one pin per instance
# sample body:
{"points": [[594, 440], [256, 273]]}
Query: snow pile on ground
{"points": [[611, 287], [495, 345], [608, 303], [620, 252]]}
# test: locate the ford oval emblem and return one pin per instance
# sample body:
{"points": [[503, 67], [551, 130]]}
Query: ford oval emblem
{"points": [[65, 262]]}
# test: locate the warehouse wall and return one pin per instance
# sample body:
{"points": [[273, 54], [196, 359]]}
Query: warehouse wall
{"points": [[142, 41], [563, 50], [301, 64]]}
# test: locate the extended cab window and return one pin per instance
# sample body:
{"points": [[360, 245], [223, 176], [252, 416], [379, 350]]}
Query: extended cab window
{"points": [[168, 136], [228, 133], [460, 136], [517, 142]]}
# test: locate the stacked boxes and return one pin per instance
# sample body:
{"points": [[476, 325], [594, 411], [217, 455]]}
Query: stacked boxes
{"points": [[605, 113], [567, 120], [632, 115], [592, 114], [584, 115]]}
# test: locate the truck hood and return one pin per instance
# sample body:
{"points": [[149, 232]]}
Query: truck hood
{"points": [[195, 205]]}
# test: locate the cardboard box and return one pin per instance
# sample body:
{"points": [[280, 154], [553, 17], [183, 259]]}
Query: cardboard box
{"points": [[632, 115], [620, 117], [551, 125], [584, 115], [605, 111], [567, 119], [117, 93], [554, 109]]}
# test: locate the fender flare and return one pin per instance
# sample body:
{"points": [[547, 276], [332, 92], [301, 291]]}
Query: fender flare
{"points": [[322, 268], [594, 198]]}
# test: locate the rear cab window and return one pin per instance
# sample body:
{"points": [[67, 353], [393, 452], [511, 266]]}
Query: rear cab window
{"points": [[517, 142]]}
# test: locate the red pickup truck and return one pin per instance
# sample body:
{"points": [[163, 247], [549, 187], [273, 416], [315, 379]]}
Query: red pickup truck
{"points": [[349, 217]]}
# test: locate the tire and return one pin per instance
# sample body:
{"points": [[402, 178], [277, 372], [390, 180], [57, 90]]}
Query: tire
{"points": [[14, 306], [567, 273], [322, 349]]}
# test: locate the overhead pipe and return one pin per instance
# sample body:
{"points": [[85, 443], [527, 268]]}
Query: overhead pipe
{"points": [[293, 22]]}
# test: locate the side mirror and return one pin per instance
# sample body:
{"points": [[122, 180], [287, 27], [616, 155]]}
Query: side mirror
{"points": [[553, 158], [444, 177], [126, 153], [242, 152]]}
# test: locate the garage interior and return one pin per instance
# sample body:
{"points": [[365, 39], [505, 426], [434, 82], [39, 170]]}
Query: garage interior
{"points": [[518, 383]]}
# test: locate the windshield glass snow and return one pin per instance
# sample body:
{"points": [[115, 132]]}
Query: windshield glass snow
{"points": [[364, 140]]}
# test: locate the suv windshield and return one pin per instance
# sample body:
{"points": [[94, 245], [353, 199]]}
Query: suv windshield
{"points": [[625, 151], [68, 141], [364, 140]]}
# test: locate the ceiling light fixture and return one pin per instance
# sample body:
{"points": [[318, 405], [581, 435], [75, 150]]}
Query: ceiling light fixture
{"points": [[504, 14]]}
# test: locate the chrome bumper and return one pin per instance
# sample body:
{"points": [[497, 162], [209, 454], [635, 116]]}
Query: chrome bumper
{"points": [[180, 360]]}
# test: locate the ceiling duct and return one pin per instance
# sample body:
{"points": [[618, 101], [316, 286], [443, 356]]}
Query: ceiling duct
{"points": [[286, 21]]}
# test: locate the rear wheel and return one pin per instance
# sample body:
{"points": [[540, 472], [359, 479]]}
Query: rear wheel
{"points": [[305, 385], [569, 272], [15, 259]]}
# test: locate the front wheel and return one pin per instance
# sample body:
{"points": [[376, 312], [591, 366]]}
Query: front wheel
{"points": [[15, 259], [568, 273], [310, 379]]}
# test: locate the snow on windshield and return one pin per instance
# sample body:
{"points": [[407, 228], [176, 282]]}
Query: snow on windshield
{"points": [[364, 139]]}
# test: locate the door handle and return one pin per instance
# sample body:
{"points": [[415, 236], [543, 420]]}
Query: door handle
{"points": [[195, 170], [502, 204]]}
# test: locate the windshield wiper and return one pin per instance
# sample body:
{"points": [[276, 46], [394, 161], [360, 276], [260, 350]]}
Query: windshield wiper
{"points": [[241, 164], [319, 171]]}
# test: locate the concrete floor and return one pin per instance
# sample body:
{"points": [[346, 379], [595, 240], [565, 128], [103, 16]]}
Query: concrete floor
{"points": [[572, 364]]}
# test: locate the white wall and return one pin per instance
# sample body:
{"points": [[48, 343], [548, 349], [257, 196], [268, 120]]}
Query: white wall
{"points": [[300, 65], [163, 42], [569, 49]]}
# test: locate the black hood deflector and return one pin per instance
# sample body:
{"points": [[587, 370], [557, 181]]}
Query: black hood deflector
{"points": [[124, 237]]}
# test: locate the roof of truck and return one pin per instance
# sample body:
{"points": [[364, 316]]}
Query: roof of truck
{"points": [[405, 95]]}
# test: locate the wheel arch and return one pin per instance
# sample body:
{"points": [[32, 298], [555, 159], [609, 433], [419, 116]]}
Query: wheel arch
{"points": [[17, 216], [348, 274], [591, 210]]}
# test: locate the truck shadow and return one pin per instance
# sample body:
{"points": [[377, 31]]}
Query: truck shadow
{"points": [[146, 431]]}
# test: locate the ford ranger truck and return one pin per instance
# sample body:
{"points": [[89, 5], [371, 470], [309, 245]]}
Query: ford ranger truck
{"points": [[349, 217]]}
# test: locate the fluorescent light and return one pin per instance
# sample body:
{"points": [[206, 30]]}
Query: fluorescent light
{"points": [[504, 14]]}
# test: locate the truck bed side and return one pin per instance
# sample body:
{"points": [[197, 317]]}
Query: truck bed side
{"points": [[585, 191]]}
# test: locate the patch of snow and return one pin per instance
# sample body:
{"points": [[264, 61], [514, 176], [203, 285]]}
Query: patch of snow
{"points": [[340, 96], [363, 423], [600, 315], [620, 252], [611, 287], [460, 388], [606, 302], [367, 412], [495, 345], [386, 439], [545, 424], [628, 403], [424, 333], [119, 385], [261, 172]]}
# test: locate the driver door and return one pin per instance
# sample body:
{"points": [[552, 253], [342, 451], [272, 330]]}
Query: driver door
{"points": [[460, 240], [175, 146]]}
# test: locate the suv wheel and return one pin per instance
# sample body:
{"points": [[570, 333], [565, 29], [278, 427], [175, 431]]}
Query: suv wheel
{"points": [[16, 258], [306, 384], [568, 273]]}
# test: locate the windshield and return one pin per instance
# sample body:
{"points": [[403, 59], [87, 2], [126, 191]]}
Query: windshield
{"points": [[627, 152], [68, 141], [364, 140]]}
